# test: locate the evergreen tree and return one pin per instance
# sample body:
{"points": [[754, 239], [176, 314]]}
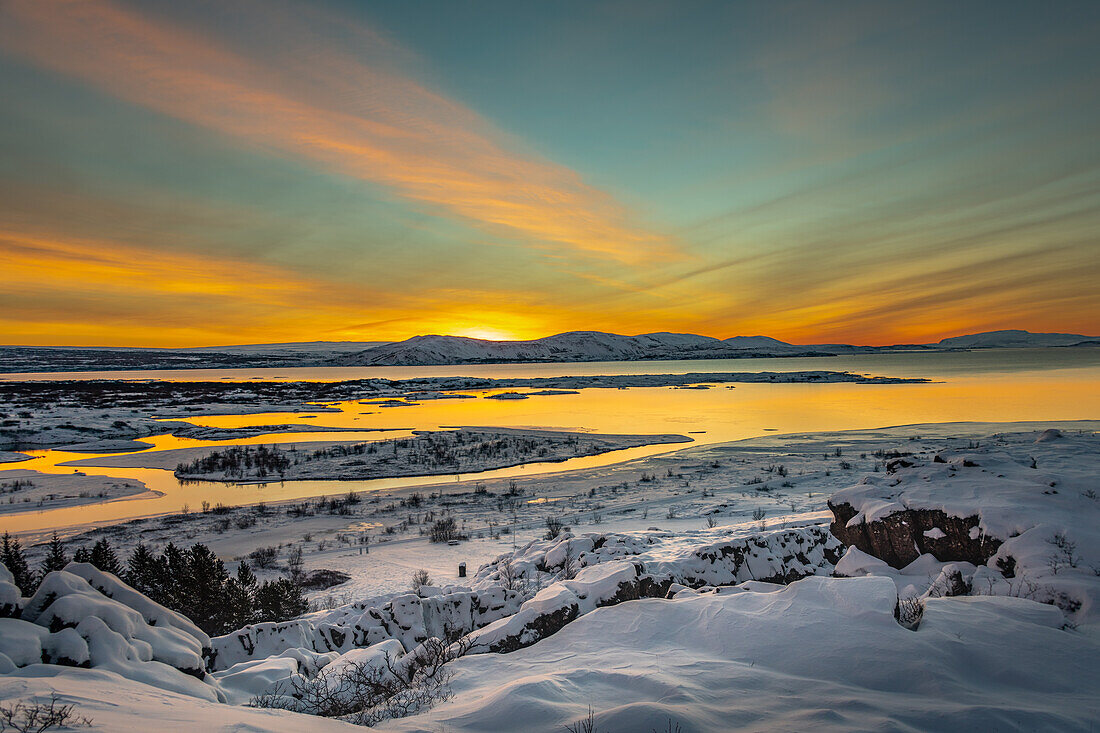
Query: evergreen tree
{"points": [[280, 600], [11, 555], [104, 558], [240, 594], [145, 572], [55, 556], [82, 555], [206, 602], [177, 577]]}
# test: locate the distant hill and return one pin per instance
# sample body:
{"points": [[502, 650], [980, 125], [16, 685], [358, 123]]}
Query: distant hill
{"points": [[574, 346], [1013, 338]]}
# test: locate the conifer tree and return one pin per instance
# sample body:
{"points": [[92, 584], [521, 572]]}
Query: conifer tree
{"points": [[56, 559], [240, 595], [177, 577], [206, 602], [104, 558], [280, 600], [11, 555], [145, 572]]}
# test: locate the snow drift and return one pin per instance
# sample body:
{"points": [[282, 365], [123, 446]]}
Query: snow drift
{"points": [[822, 654], [82, 617]]}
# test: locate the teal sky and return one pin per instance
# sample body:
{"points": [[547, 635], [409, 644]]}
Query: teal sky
{"points": [[204, 173]]}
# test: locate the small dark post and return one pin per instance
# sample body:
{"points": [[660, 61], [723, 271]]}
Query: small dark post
{"points": [[462, 570]]}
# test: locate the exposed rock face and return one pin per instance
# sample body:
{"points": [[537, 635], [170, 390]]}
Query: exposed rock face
{"points": [[540, 618], [901, 537], [1014, 514]]}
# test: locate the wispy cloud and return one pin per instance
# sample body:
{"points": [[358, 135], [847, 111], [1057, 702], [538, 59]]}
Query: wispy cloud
{"points": [[360, 119]]}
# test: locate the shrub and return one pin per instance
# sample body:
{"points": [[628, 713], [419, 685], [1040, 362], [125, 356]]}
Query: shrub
{"points": [[444, 530], [367, 694], [264, 557], [38, 717], [554, 527], [420, 578], [586, 724], [909, 612], [322, 578]]}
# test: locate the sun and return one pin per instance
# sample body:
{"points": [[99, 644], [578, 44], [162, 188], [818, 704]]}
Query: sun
{"points": [[484, 333]]}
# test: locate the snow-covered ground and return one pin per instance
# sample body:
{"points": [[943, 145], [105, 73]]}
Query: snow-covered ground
{"points": [[821, 654], [24, 490], [975, 570], [788, 479]]}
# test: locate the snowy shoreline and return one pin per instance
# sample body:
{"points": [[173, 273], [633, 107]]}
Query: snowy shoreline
{"points": [[27, 490], [374, 460]]}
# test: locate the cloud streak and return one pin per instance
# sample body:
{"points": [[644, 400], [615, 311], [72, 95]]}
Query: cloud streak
{"points": [[357, 119]]}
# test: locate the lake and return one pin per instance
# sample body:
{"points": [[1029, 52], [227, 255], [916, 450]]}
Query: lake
{"points": [[983, 386]]}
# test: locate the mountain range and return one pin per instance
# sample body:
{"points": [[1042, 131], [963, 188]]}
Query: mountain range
{"points": [[439, 350], [599, 346]]}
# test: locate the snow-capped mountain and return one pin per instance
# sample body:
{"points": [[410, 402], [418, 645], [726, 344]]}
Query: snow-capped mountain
{"points": [[599, 346], [571, 346]]}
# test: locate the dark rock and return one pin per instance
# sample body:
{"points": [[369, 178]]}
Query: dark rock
{"points": [[898, 538], [324, 578], [540, 627]]}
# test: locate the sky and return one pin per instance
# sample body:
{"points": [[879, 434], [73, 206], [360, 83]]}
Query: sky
{"points": [[205, 173]]}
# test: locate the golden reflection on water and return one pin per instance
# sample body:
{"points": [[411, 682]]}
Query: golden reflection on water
{"points": [[722, 412]]}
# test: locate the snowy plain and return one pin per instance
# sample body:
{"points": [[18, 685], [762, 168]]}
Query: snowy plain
{"points": [[721, 651]]}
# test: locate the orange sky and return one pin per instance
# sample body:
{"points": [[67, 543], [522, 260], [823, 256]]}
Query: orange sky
{"points": [[277, 172]]}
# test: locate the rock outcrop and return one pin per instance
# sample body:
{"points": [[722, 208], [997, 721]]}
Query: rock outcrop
{"points": [[902, 536], [1013, 514]]}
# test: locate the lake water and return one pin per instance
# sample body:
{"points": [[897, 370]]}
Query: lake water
{"points": [[981, 386]]}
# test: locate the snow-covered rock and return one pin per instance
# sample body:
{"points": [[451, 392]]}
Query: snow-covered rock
{"points": [[1015, 515], [82, 617], [407, 618], [527, 595]]}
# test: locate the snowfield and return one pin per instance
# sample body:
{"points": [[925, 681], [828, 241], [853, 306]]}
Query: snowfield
{"points": [[821, 654], [955, 589]]}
